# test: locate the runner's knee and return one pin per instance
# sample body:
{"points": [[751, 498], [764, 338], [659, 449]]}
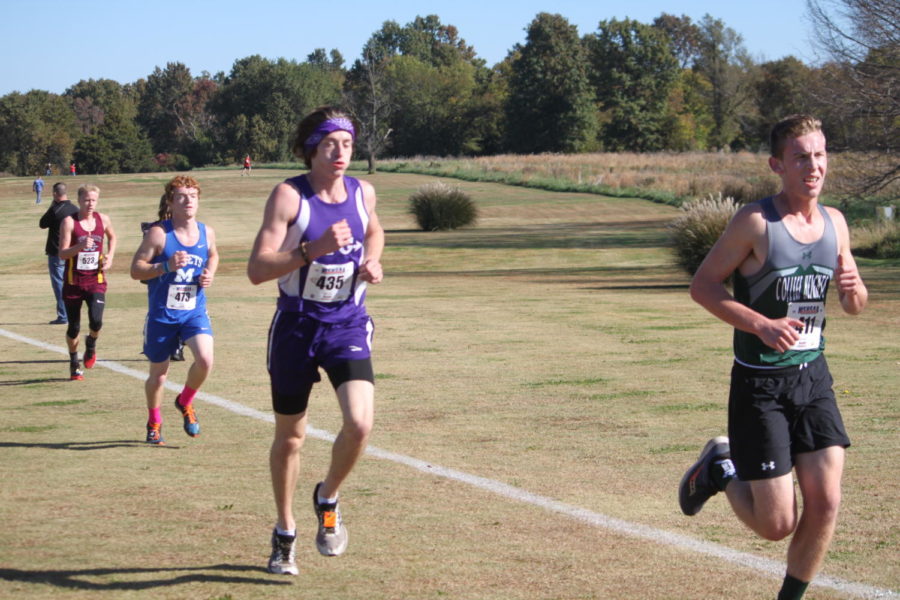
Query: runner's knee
{"points": [[288, 444], [204, 362], [157, 380], [357, 431], [777, 526]]}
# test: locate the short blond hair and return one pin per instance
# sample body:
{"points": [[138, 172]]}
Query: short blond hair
{"points": [[86, 189], [790, 127]]}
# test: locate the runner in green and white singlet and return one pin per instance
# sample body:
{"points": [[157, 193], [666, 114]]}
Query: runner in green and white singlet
{"points": [[783, 252]]}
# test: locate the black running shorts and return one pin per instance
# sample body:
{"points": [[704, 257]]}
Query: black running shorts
{"points": [[776, 414]]}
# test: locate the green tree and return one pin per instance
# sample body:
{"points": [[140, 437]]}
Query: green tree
{"points": [[93, 99], [35, 128], [725, 64], [422, 85], [633, 73], [429, 40], [550, 106], [782, 89], [279, 93], [117, 146], [173, 110], [688, 119], [367, 98], [683, 35], [435, 105]]}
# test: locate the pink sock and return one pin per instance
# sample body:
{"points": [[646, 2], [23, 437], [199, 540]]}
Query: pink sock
{"points": [[155, 415], [186, 396]]}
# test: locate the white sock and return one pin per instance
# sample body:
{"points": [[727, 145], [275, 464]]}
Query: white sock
{"points": [[322, 500], [287, 533]]}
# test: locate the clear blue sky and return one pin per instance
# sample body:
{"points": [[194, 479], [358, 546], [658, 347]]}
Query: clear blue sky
{"points": [[53, 44]]}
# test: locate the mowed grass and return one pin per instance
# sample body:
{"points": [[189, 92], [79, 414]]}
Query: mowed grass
{"points": [[553, 347]]}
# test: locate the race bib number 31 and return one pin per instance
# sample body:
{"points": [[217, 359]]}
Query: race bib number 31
{"points": [[182, 297], [812, 314], [328, 283]]}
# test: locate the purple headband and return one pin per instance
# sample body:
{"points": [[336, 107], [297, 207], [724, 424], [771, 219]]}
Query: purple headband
{"points": [[329, 126]]}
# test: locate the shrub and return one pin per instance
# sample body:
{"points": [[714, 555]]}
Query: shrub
{"points": [[750, 190], [172, 162], [697, 228], [437, 206], [881, 240]]}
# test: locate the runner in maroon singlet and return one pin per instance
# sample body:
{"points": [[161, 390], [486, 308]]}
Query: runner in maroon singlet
{"points": [[81, 246]]}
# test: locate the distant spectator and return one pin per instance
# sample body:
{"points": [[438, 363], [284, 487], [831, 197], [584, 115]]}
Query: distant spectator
{"points": [[57, 212], [246, 167], [38, 186]]}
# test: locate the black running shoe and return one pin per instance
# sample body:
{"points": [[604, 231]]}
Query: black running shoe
{"points": [[697, 485], [282, 561]]}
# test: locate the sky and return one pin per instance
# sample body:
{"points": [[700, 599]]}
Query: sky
{"points": [[52, 44]]}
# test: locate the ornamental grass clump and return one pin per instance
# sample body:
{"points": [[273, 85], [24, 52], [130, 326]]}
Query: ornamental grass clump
{"points": [[699, 225], [437, 206]]}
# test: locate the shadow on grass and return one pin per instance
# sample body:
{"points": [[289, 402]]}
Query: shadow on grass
{"points": [[166, 577], [588, 278], [142, 359], [644, 286], [82, 446], [34, 381], [634, 234]]}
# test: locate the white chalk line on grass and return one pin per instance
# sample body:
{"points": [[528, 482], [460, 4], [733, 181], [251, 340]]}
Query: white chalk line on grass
{"points": [[766, 566]]}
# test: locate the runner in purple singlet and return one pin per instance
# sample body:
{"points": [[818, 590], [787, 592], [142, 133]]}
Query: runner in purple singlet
{"points": [[321, 239]]}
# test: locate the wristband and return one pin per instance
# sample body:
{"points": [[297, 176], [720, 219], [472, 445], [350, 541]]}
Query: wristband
{"points": [[304, 253], [165, 265]]}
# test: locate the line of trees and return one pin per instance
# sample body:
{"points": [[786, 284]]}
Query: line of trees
{"points": [[420, 89]]}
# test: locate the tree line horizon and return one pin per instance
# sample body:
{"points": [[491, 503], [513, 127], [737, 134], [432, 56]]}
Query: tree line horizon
{"points": [[420, 90]]}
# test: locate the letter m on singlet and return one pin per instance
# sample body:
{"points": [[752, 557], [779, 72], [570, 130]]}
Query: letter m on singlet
{"points": [[184, 275]]}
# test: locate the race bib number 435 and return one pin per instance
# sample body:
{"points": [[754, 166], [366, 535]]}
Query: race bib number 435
{"points": [[328, 283], [812, 314]]}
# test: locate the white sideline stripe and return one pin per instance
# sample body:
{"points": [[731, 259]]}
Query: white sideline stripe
{"points": [[765, 566]]}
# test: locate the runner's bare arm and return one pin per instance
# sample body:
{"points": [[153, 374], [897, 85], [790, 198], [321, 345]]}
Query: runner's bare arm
{"points": [[737, 245], [852, 290], [111, 242], [66, 249], [267, 261], [212, 260], [371, 269], [151, 246]]}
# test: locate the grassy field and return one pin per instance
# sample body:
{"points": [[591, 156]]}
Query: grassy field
{"points": [[667, 177], [546, 368]]}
